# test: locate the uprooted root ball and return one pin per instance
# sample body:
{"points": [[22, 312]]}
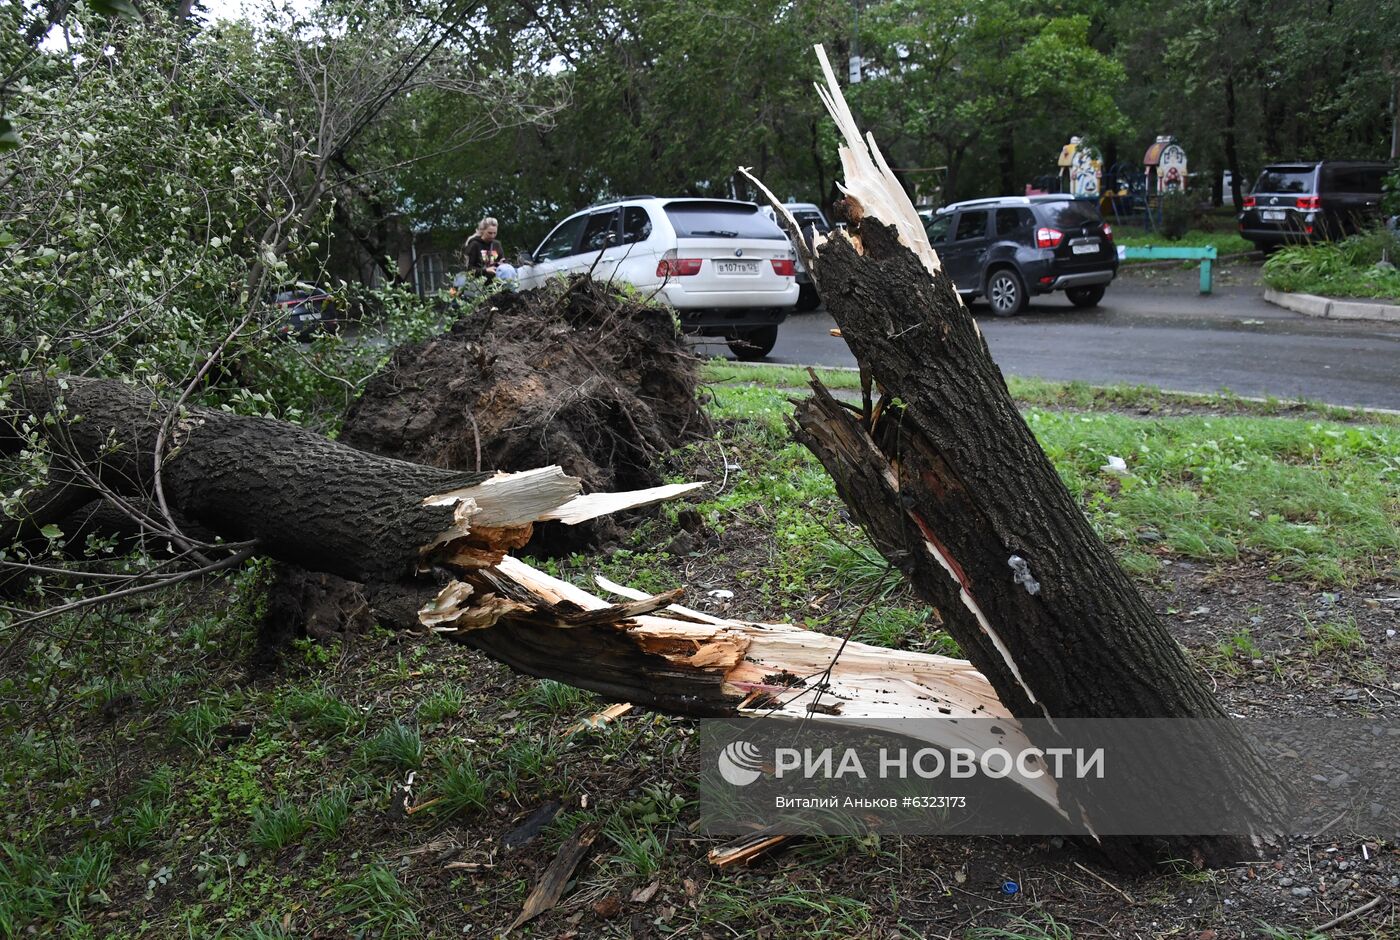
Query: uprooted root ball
{"points": [[576, 374]]}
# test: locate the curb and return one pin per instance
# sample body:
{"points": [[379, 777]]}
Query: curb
{"points": [[1315, 306]]}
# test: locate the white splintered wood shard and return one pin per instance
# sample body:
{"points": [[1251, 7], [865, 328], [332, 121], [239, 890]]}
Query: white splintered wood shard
{"points": [[591, 506], [868, 178], [508, 504]]}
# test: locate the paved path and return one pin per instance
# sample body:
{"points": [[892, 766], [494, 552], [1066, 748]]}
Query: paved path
{"points": [[1154, 328]]}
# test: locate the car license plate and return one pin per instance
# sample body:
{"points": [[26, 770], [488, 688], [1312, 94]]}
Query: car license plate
{"points": [[1273, 215], [1089, 249], [736, 267]]}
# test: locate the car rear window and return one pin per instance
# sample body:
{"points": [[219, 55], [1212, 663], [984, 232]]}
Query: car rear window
{"points": [[806, 217], [1285, 179], [1071, 214], [721, 220]]}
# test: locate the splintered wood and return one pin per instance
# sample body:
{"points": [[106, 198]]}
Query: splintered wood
{"points": [[680, 659]]}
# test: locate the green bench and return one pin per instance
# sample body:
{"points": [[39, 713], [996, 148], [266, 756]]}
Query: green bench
{"points": [[1165, 253]]}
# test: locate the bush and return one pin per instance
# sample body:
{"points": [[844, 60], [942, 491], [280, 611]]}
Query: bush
{"points": [[1360, 266], [1390, 202], [1178, 213]]}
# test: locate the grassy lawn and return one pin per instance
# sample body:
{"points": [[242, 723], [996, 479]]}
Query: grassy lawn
{"points": [[156, 785]]}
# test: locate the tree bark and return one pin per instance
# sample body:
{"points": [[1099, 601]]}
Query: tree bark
{"points": [[304, 498], [951, 485], [1232, 157]]}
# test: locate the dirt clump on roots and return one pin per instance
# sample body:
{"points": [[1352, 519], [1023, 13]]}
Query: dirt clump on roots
{"points": [[575, 373]]}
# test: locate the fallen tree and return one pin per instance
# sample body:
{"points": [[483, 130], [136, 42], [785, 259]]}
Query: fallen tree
{"points": [[430, 549]]}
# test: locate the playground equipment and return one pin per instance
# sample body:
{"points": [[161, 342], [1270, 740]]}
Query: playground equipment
{"points": [[1081, 169]]}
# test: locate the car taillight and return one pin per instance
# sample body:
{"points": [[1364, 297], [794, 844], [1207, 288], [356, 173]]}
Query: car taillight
{"points": [[1048, 237], [1249, 202], [1108, 231], [1309, 202], [784, 267], [678, 267]]}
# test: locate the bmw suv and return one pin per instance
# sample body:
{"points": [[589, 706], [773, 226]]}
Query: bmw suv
{"points": [[725, 266], [1007, 249]]}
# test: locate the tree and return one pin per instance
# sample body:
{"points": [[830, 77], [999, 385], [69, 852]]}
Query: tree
{"points": [[1314, 83], [964, 82]]}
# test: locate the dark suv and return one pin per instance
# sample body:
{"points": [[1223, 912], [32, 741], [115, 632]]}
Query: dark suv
{"points": [[1009, 248], [1301, 202], [302, 311]]}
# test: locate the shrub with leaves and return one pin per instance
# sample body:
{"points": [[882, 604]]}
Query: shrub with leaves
{"points": [[1360, 266]]}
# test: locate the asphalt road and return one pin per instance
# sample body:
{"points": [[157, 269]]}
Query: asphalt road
{"points": [[1154, 328]]}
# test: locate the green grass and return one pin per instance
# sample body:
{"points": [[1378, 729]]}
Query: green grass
{"points": [[141, 824], [1043, 927], [555, 698], [1319, 500], [330, 812], [379, 905], [195, 726], [1280, 933], [1226, 243], [1334, 638], [319, 711], [277, 826], [35, 888], [443, 704], [463, 788], [723, 370], [397, 746], [810, 913], [1349, 268], [639, 852]]}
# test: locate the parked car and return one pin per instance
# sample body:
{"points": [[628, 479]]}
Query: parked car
{"points": [[726, 268], [1302, 202], [1008, 248], [301, 311], [812, 222]]}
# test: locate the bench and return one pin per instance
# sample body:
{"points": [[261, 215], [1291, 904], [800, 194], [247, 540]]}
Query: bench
{"points": [[1166, 252]]}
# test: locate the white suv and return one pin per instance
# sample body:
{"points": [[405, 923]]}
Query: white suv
{"points": [[726, 268]]}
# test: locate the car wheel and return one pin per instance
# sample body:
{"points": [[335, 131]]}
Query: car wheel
{"points": [[807, 298], [1006, 292], [750, 345], [1085, 296]]}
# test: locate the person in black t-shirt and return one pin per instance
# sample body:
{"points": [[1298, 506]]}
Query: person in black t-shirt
{"points": [[484, 253]]}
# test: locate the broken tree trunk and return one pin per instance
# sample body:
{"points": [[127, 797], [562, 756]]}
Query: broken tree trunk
{"points": [[431, 547], [952, 487]]}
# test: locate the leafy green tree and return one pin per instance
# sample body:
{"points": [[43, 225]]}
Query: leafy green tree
{"points": [[1245, 82], [971, 84]]}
